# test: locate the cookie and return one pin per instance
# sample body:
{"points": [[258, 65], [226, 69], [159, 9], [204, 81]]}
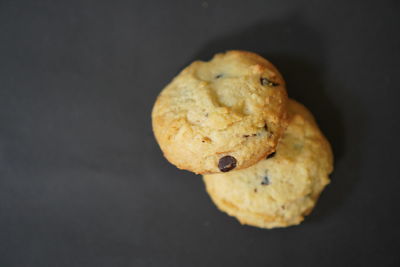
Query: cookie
{"points": [[224, 114], [281, 189]]}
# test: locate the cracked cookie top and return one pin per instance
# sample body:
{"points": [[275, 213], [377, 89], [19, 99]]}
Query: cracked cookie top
{"points": [[222, 115]]}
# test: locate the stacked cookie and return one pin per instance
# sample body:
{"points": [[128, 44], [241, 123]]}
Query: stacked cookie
{"points": [[262, 156]]}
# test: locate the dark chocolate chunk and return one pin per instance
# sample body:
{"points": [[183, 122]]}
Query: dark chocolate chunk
{"points": [[219, 76], [246, 135], [226, 163], [271, 155], [265, 81], [265, 180], [266, 126]]}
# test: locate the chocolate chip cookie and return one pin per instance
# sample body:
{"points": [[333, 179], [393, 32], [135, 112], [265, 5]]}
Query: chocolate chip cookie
{"points": [[222, 115], [284, 187]]}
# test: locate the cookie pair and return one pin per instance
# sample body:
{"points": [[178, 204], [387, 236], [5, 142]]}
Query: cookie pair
{"points": [[263, 157]]}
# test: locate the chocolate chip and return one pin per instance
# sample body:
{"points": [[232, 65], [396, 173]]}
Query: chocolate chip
{"points": [[226, 163], [255, 190], [248, 135], [265, 180], [271, 155], [219, 76], [266, 126], [265, 81]]}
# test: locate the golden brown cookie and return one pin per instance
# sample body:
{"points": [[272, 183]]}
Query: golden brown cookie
{"points": [[279, 190], [227, 113]]}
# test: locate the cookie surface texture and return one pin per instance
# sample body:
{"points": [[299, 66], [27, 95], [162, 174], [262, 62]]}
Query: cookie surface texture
{"points": [[221, 115], [281, 189]]}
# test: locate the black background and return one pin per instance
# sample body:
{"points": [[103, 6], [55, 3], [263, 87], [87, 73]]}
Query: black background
{"points": [[83, 182]]}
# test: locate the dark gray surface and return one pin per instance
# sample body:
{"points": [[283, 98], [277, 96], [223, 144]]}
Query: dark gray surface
{"points": [[83, 183]]}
